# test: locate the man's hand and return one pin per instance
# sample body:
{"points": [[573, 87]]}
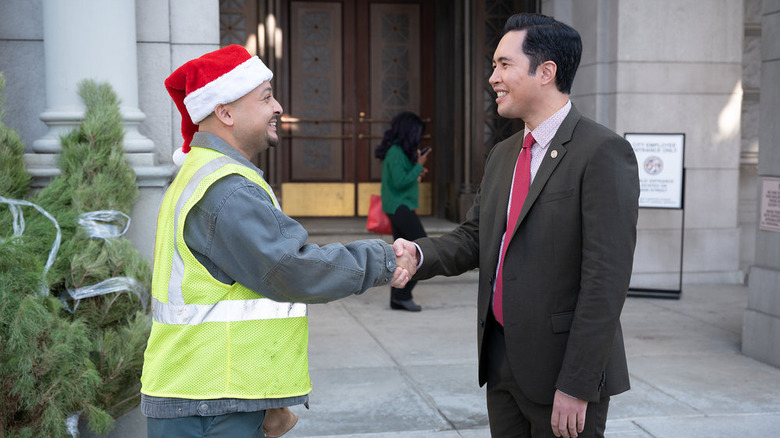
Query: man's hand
{"points": [[403, 246], [406, 263], [400, 277], [568, 415], [405, 266]]}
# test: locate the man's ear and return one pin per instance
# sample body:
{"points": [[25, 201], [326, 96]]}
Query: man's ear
{"points": [[224, 113], [547, 72]]}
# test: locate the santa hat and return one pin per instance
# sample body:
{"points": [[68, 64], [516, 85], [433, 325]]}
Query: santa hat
{"points": [[219, 77]]}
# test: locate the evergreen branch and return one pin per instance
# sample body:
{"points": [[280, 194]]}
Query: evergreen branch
{"points": [[51, 388], [87, 272], [43, 402], [110, 304], [117, 369]]}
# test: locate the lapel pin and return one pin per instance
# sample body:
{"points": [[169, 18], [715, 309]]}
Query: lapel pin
{"points": [[554, 153]]}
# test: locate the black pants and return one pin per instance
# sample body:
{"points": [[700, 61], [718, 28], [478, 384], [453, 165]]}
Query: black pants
{"points": [[511, 414], [406, 225]]}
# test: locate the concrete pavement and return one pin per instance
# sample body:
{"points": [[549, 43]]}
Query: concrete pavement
{"points": [[379, 373], [382, 373]]}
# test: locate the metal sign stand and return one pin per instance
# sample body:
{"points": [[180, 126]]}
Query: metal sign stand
{"points": [[665, 293]]}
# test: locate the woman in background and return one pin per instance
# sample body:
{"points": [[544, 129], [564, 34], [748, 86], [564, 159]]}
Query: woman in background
{"points": [[402, 169]]}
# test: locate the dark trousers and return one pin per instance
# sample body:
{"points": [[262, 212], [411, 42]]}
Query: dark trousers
{"points": [[406, 225], [239, 425], [510, 413]]}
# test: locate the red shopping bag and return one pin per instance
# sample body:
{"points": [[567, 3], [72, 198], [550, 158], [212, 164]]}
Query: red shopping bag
{"points": [[377, 221]]}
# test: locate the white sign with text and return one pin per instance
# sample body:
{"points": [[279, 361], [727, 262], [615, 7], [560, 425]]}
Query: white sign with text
{"points": [[660, 161]]}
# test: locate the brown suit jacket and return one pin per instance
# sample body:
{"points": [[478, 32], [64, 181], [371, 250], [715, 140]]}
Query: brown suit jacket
{"points": [[567, 267]]}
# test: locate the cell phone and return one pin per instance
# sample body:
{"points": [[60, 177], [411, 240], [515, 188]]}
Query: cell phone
{"points": [[424, 150]]}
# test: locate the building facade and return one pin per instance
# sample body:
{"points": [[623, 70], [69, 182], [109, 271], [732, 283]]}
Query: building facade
{"points": [[343, 68]]}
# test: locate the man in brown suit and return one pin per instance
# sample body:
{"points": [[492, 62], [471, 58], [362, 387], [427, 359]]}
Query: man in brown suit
{"points": [[549, 337]]}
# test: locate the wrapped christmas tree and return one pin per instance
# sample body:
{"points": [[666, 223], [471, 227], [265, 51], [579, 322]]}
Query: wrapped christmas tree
{"points": [[81, 340], [45, 371]]}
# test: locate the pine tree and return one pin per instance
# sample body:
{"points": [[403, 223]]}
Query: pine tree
{"points": [[45, 371], [89, 360], [96, 176]]}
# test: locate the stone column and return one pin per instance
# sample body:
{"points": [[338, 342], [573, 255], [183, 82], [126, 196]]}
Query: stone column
{"points": [[761, 324], [88, 39]]}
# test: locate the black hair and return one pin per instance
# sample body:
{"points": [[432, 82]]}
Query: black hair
{"points": [[547, 39], [406, 130]]}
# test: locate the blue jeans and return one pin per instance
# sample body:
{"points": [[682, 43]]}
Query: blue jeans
{"points": [[238, 425]]}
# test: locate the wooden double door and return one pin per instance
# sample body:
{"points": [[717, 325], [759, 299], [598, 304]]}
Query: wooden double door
{"points": [[349, 66]]}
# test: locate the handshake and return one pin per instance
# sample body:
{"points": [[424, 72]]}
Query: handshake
{"points": [[406, 260]]}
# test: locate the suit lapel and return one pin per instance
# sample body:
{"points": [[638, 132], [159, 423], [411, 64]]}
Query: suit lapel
{"points": [[549, 163]]}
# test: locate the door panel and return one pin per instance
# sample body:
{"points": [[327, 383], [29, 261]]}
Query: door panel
{"points": [[353, 64], [394, 68], [238, 20], [316, 96]]}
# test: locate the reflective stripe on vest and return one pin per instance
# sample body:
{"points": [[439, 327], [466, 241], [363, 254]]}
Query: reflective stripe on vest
{"points": [[177, 312]]}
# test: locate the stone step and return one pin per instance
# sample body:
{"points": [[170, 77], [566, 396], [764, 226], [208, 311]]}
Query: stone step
{"points": [[347, 229]]}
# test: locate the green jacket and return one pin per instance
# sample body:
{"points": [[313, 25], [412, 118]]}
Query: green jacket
{"points": [[399, 181]]}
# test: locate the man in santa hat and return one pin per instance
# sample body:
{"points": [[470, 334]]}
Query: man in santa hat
{"points": [[232, 272]]}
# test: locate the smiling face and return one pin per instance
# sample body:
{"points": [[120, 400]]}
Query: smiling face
{"points": [[517, 91], [256, 117]]}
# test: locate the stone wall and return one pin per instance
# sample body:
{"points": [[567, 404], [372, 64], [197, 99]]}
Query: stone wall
{"points": [[761, 326]]}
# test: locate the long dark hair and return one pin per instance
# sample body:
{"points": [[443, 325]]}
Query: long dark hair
{"points": [[406, 129]]}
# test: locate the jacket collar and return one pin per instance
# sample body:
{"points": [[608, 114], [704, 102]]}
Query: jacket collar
{"points": [[210, 141]]}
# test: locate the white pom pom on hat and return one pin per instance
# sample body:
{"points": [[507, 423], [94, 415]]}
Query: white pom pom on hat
{"points": [[218, 77], [178, 156]]}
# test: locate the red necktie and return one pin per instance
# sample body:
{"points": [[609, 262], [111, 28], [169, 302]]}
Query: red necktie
{"points": [[520, 185]]}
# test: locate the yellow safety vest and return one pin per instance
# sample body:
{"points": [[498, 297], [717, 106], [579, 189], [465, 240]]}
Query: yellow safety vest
{"points": [[210, 340]]}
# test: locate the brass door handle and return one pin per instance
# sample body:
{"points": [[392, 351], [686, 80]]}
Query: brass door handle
{"points": [[364, 119]]}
